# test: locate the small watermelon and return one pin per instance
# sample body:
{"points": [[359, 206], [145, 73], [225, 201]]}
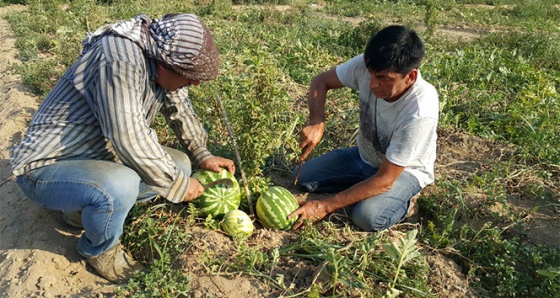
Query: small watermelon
{"points": [[237, 223], [274, 206], [219, 199]]}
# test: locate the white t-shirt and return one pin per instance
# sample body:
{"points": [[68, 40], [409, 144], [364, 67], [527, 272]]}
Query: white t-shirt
{"points": [[405, 129]]}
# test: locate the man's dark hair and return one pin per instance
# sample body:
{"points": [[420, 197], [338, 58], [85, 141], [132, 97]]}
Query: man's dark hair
{"points": [[394, 48]]}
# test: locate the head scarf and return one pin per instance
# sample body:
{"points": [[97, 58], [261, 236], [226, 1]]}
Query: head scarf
{"points": [[180, 41]]}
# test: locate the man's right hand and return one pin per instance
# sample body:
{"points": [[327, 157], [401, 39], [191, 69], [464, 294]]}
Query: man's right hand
{"points": [[194, 190], [310, 136]]}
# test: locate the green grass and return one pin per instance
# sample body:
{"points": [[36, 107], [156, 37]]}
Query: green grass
{"points": [[501, 86]]}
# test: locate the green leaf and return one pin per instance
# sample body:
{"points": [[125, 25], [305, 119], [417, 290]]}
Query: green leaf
{"points": [[550, 273], [393, 250]]}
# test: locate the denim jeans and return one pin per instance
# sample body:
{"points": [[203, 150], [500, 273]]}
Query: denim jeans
{"points": [[104, 191], [342, 168]]}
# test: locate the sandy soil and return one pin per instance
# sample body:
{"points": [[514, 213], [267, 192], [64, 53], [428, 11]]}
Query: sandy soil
{"points": [[37, 249], [37, 254]]}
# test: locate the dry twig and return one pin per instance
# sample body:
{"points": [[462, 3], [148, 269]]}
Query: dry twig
{"points": [[237, 156]]}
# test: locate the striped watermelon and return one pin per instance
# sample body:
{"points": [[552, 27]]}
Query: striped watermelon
{"points": [[237, 223], [274, 206], [217, 200]]}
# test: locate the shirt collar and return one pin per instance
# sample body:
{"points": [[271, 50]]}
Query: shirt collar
{"points": [[151, 66]]}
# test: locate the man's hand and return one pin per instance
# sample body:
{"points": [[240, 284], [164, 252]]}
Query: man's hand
{"points": [[310, 136], [216, 163], [312, 210], [194, 190]]}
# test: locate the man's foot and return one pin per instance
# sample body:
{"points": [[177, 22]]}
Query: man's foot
{"points": [[115, 264], [73, 218]]}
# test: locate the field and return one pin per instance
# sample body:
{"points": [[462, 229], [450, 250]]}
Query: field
{"points": [[488, 226]]}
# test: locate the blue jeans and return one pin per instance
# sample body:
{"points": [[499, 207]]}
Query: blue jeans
{"points": [[342, 168], [104, 191]]}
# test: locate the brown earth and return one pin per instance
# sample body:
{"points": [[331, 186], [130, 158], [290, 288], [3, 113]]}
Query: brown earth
{"points": [[37, 250]]}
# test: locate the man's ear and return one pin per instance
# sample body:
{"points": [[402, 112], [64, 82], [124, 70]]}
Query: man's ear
{"points": [[412, 76]]}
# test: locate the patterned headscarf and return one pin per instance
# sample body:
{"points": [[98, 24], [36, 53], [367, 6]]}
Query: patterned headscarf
{"points": [[180, 41]]}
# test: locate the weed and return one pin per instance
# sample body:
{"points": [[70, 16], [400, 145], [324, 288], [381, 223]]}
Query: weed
{"points": [[154, 233], [507, 266], [401, 253], [504, 265]]}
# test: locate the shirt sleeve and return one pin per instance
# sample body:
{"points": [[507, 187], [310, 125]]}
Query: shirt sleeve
{"points": [[180, 116], [118, 104], [352, 71]]}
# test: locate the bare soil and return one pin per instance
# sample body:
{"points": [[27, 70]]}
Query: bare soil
{"points": [[37, 249]]}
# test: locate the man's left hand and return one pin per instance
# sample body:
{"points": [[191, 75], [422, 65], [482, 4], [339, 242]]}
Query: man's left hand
{"points": [[216, 163], [312, 210]]}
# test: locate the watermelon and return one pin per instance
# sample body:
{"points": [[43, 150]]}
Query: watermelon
{"points": [[244, 204], [219, 199], [274, 206], [237, 223]]}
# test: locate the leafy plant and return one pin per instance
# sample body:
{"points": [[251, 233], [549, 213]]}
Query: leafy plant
{"points": [[401, 252], [154, 233], [507, 267]]}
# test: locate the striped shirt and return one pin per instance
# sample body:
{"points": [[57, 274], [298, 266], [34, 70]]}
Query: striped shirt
{"points": [[102, 107]]}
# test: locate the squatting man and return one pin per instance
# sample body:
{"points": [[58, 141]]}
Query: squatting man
{"points": [[89, 150], [396, 145]]}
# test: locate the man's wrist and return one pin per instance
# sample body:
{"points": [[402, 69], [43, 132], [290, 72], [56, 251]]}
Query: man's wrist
{"points": [[318, 121], [331, 205]]}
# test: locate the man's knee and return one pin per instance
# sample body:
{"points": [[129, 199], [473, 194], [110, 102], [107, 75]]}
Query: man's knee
{"points": [[370, 222], [372, 216], [308, 186], [121, 187], [181, 159]]}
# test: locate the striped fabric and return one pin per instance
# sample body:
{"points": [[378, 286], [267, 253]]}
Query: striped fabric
{"points": [[102, 107], [181, 41]]}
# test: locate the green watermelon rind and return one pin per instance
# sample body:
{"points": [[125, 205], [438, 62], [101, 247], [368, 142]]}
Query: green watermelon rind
{"points": [[273, 207], [218, 200], [236, 223]]}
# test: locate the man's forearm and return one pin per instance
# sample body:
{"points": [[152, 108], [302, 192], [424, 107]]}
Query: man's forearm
{"points": [[379, 183], [360, 191], [317, 96], [316, 99]]}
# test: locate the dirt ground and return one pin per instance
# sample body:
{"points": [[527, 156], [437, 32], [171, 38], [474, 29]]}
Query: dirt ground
{"points": [[37, 249]]}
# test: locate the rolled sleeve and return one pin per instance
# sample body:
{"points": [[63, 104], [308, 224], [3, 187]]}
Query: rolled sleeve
{"points": [[178, 188]]}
